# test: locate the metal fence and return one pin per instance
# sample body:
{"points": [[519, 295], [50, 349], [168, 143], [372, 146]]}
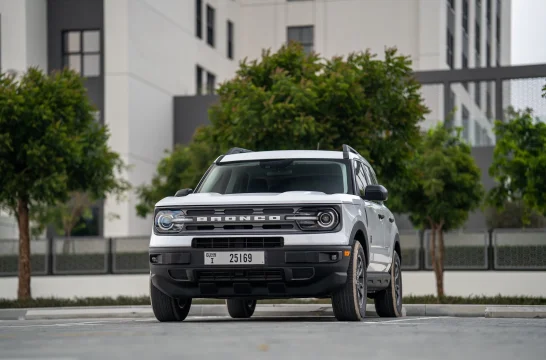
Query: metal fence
{"points": [[502, 249]]}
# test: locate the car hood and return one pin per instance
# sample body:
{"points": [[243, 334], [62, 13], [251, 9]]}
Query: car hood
{"points": [[289, 197]]}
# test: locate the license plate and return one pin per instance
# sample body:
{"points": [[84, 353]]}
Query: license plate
{"points": [[234, 258]]}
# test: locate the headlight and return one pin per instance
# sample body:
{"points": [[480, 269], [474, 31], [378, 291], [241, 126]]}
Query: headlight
{"points": [[170, 221], [316, 218]]}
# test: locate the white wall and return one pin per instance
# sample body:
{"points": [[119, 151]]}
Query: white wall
{"points": [[488, 283], [24, 34], [340, 27], [150, 57]]}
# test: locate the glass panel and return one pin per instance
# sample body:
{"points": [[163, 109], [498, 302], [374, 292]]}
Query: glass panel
{"points": [[91, 41], [72, 42], [307, 35], [91, 65], [74, 63], [293, 34]]}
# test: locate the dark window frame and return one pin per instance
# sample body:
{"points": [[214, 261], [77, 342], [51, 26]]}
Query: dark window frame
{"points": [[65, 53], [307, 46], [199, 79], [450, 43], [211, 85], [230, 33], [211, 20], [199, 19]]}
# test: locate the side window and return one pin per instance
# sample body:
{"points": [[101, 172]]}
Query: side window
{"points": [[361, 181]]}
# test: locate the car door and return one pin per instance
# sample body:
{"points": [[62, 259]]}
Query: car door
{"points": [[371, 209], [382, 250]]}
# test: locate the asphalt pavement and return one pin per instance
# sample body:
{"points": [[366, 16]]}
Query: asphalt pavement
{"points": [[419, 338]]}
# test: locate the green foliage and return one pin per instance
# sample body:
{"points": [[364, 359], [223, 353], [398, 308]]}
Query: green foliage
{"points": [[513, 215], [182, 168], [290, 100], [50, 146], [50, 143], [445, 181], [519, 163]]}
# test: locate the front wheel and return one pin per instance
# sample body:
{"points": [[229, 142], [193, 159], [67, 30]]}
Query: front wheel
{"points": [[349, 303], [240, 308], [167, 309], [388, 302]]}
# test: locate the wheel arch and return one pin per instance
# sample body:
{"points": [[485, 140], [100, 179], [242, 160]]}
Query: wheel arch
{"points": [[397, 246], [360, 234]]}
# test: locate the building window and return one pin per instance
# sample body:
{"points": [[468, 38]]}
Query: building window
{"points": [[211, 83], [465, 16], [210, 25], [466, 120], [199, 80], [81, 52], [302, 34], [451, 4], [489, 13], [449, 49], [199, 19], [230, 39]]}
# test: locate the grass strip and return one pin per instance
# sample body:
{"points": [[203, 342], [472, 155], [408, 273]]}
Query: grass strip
{"points": [[145, 300]]}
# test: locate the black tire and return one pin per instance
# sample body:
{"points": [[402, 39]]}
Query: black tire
{"points": [[167, 309], [388, 302], [240, 308], [349, 303]]}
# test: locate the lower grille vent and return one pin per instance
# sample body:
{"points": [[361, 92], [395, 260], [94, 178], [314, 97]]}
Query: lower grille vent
{"points": [[238, 243]]}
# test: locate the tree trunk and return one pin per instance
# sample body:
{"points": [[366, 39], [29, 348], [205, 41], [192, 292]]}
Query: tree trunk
{"points": [[440, 264], [23, 291], [433, 252]]}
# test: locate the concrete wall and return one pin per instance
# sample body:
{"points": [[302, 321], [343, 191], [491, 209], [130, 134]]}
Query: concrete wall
{"points": [[151, 56], [465, 283]]}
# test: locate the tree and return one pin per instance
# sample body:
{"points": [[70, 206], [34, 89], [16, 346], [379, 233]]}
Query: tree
{"points": [[181, 168], [50, 147], [443, 187], [519, 163], [512, 215], [290, 100], [67, 217]]}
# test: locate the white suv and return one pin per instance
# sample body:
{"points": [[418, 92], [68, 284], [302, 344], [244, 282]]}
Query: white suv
{"points": [[278, 224]]}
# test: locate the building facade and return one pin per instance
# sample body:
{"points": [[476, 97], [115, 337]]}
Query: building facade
{"points": [[151, 66]]}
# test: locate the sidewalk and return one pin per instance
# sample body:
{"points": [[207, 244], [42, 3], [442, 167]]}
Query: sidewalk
{"points": [[280, 310]]}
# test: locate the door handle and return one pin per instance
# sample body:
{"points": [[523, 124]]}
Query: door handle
{"points": [[381, 216], [391, 220]]}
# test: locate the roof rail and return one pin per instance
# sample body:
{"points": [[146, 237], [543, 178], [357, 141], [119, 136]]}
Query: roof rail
{"points": [[233, 150], [347, 149], [237, 150]]}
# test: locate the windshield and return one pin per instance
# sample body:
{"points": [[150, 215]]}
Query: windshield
{"points": [[277, 176]]}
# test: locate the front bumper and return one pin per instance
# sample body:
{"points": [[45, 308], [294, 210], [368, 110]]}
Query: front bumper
{"points": [[288, 272]]}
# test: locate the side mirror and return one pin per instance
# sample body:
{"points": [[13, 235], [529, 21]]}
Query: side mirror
{"points": [[376, 193], [183, 192]]}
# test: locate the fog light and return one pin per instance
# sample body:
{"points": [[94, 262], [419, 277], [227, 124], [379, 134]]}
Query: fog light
{"points": [[333, 257]]}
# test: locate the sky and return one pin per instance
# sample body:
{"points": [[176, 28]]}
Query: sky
{"points": [[528, 44], [528, 47]]}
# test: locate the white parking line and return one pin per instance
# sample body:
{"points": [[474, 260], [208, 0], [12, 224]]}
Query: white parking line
{"points": [[386, 322], [60, 325]]}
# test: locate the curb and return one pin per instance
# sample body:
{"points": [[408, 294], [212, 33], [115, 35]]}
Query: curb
{"points": [[269, 310], [507, 311]]}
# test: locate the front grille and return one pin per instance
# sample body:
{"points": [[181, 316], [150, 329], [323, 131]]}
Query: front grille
{"points": [[238, 243], [239, 275]]}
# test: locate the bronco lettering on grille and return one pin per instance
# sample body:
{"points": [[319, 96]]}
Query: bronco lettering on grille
{"points": [[257, 218]]}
